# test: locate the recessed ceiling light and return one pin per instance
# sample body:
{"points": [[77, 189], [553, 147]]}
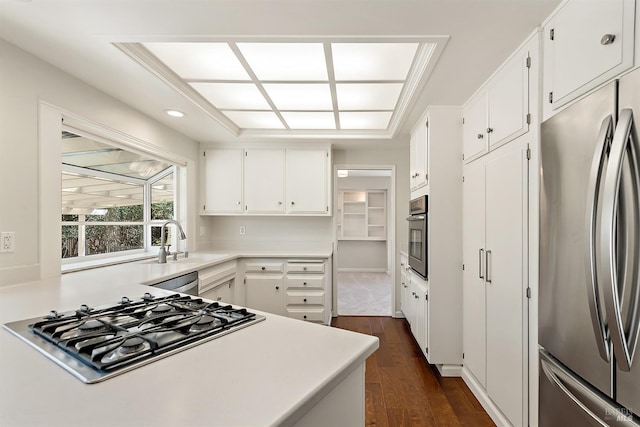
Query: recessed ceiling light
{"points": [[175, 113]]}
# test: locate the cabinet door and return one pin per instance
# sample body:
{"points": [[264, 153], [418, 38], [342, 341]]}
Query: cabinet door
{"points": [[418, 153], [307, 181], [225, 292], [474, 134], [473, 236], [421, 317], [580, 59], [264, 181], [509, 101], [223, 181], [506, 204], [265, 293]]}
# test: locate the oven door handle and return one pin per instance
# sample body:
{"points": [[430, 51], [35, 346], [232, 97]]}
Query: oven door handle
{"points": [[415, 218]]}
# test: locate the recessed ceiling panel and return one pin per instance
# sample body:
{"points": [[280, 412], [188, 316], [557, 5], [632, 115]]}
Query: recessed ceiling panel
{"points": [[368, 96], [206, 61], [300, 96], [310, 120], [365, 120], [372, 61], [255, 119], [241, 96], [286, 61]]}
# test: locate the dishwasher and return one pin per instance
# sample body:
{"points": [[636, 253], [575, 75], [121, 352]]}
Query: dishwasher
{"points": [[186, 284]]}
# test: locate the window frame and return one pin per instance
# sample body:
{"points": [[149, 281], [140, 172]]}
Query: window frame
{"points": [[68, 264]]}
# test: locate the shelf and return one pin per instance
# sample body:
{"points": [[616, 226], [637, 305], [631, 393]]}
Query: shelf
{"points": [[363, 215]]}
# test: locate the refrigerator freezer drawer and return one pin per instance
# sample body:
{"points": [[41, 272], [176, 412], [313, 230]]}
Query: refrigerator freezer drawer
{"points": [[567, 400]]}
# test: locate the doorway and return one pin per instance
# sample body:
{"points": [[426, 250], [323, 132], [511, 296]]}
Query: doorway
{"points": [[364, 240]]}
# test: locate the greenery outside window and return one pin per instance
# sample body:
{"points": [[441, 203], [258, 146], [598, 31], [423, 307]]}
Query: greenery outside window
{"points": [[113, 200]]}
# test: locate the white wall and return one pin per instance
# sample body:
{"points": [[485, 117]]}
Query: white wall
{"points": [[26, 83]]}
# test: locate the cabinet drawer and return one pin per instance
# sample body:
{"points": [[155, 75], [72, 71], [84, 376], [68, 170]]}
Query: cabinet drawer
{"points": [[267, 267], [304, 281], [212, 277], [307, 267], [310, 315], [305, 298]]}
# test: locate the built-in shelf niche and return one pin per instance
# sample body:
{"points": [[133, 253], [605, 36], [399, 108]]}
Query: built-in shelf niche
{"points": [[362, 215]]}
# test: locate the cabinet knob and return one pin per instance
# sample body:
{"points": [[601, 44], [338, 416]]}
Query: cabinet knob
{"points": [[279, 203], [480, 135], [263, 268], [238, 203], [489, 130], [219, 298], [304, 283], [304, 268], [293, 203], [277, 287], [607, 39], [304, 300], [305, 316]]}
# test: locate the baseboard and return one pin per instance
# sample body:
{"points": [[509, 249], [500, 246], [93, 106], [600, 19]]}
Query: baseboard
{"points": [[399, 315], [361, 270], [450, 370], [481, 394]]}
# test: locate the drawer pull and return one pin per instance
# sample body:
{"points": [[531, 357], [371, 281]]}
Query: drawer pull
{"points": [[305, 300], [305, 316], [304, 283], [304, 268], [263, 268], [277, 287]]}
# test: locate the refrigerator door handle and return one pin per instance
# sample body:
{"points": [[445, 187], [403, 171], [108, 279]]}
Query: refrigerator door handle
{"points": [[487, 267], [624, 344], [480, 256], [593, 191], [581, 393]]}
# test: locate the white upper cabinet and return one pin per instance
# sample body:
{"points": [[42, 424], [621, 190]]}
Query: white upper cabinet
{"points": [[508, 97], [499, 112], [586, 43], [222, 175], [418, 154], [307, 176], [266, 181], [474, 130], [264, 172]]}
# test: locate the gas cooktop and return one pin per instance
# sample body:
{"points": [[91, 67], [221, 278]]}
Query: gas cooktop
{"points": [[98, 343]]}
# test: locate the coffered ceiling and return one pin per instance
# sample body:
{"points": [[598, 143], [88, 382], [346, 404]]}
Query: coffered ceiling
{"points": [[356, 73]]}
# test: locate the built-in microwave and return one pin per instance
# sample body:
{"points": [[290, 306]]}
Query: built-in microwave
{"points": [[418, 229]]}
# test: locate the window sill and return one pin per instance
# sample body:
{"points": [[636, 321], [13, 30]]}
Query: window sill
{"points": [[71, 267]]}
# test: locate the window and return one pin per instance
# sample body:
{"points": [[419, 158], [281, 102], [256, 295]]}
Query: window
{"points": [[113, 200]]}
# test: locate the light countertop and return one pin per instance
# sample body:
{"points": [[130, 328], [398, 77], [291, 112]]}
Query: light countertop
{"points": [[270, 373]]}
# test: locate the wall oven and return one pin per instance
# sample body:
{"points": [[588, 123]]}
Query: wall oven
{"points": [[418, 229]]}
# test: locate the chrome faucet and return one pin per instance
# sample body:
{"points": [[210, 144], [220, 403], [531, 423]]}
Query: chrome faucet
{"points": [[162, 254]]}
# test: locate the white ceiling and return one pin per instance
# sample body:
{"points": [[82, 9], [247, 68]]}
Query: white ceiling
{"points": [[78, 35]]}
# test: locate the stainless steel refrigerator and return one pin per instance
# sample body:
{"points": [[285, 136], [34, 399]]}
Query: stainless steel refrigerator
{"points": [[589, 311]]}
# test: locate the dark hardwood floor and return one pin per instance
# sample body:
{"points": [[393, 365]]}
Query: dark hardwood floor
{"points": [[402, 389]]}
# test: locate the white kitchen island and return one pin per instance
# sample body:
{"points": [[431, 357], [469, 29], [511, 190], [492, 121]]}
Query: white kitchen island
{"points": [[279, 372]]}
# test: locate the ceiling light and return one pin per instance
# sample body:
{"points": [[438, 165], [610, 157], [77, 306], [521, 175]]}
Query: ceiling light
{"points": [[300, 96], [365, 120], [232, 96], [368, 96], [372, 61], [309, 120], [255, 119], [209, 61], [286, 61], [175, 113]]}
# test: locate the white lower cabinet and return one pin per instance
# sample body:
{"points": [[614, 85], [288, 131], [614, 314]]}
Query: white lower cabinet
{"points": [[300, 289], [495, 304], [217, 283]]}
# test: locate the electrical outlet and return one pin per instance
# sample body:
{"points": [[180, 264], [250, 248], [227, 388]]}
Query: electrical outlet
{"points": [[7, 241], [243, 230]]}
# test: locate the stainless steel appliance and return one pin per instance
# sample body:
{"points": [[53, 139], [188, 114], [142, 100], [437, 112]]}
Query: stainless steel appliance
{"points": [[590, 260], [418, 229], [95, 344], [186, 284]]}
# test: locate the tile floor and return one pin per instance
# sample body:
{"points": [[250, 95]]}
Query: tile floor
{"points": [[364, 294]]}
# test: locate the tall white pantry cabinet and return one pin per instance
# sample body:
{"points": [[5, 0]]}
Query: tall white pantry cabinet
{"points": [[499, 128]]}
